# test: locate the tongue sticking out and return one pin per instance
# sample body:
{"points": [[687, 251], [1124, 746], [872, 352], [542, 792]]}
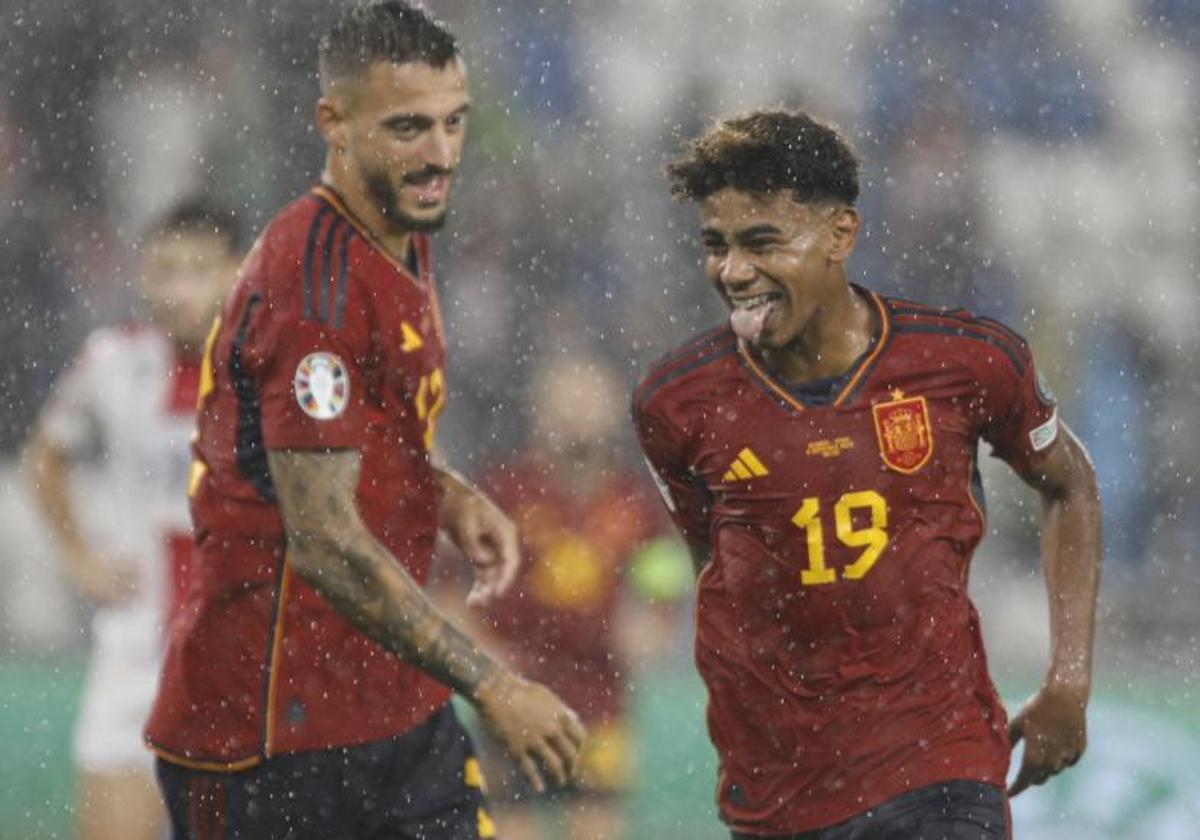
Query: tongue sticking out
{"points": [[748, 324]]}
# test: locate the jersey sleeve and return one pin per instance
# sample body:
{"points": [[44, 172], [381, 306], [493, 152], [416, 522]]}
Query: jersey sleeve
{"points": [[70, 420], [1020, 411], [310, 375], [687, 499]]}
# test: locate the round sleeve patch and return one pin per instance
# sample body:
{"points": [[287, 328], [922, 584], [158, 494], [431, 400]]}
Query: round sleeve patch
{"points": [[322, 386]]}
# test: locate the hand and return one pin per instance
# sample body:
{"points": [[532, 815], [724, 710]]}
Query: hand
{"points": [[538, 729], [103, 581], [1054, 725], [486, 536]]}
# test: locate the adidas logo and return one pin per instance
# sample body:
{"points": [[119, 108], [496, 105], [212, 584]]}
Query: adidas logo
{"points": [[745, 466]]}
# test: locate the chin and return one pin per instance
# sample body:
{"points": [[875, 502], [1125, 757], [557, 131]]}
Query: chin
{"points": [[421, 221]]}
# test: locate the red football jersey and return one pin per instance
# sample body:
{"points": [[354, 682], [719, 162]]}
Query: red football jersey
{"points": [[325, 343], [842, 655], [557, 624]]}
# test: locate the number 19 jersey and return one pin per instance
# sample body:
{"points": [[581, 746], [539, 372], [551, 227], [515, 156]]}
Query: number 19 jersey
{"points": [[326, 343], [842, 655]]}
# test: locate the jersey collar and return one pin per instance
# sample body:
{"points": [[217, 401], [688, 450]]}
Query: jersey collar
{"points": [[850, 380], [419, 243]]}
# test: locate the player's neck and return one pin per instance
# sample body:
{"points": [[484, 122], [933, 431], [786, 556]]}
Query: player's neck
{"points": [[836, 335], [365, 211]]}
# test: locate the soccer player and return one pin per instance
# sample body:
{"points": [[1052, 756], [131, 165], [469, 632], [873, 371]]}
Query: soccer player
{"points": [[306, 685], [128, 403], [819, 454], [574, 621]]}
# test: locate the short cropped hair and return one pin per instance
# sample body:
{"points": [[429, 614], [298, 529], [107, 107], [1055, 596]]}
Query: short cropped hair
{"points": [[383, 30], [768, 151], [199, 214]]}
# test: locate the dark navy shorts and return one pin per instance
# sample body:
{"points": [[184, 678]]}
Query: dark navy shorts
{"points": [[957, 810], [422, 785]]}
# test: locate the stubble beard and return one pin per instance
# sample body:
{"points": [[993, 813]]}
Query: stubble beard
{"points": [[382, 192]]}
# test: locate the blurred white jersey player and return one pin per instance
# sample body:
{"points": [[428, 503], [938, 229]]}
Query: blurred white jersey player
{"points": [[127, 407]]}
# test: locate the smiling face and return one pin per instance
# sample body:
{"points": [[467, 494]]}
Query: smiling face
{"points": [[397, 136], [776, 262]]}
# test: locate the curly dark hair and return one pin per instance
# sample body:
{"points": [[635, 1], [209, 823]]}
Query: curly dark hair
{"points": [[383, 30], [766, 151]]}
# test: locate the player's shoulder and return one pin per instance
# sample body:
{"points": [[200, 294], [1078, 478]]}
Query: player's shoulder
{"points": [[697, 358], [294, 230], [958, 330], [301, 263]]}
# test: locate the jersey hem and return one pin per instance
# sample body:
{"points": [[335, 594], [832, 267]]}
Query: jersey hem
{"points": [[834, 817], [234, 765]]}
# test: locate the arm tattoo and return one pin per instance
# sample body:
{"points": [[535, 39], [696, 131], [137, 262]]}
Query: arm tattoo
{"points": [[332, 549]]}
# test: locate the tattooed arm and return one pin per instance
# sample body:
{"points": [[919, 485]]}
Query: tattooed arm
{"points": [[331, 548]]}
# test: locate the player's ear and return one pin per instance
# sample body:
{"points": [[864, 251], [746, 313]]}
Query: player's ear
{"points": [[331, 122], [844, 231]]}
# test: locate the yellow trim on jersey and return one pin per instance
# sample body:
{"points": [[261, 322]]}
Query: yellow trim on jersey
{"points": [[276, 653], [885, 330], [196, 472], [411, 338], [336, 202], [473, 775], [208, 766], [487, 828], [745, 466]]}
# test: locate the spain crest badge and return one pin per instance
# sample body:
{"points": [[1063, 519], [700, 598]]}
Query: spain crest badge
{"points": [[904, 431]]}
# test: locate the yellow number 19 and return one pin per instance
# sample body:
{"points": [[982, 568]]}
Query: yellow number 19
{"points": [[873, 539]]}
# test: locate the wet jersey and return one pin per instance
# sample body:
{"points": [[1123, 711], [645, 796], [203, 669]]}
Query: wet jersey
{"points": [[128, 405], [325, 343], [557, 624], [842, 655]]}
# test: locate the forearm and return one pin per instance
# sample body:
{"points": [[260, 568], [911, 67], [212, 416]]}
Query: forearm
{"points": [[333, 550], [48, 471], [452, 489], [1071, 558], [362, 581]]}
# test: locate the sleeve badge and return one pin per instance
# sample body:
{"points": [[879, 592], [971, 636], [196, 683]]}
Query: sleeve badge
{"points": [[322, 386]]}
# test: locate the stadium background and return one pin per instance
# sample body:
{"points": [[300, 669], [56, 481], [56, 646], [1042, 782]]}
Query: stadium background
{"points": [[1034, 159]]}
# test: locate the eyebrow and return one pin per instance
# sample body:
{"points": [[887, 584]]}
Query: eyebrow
{"points": [[752, 232]]}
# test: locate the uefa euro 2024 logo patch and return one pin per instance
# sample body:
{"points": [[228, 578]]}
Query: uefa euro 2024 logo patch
{"points": [[322, 386]]}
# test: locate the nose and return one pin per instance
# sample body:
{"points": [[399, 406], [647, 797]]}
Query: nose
{"points": [[440, 150], [736, 270]]}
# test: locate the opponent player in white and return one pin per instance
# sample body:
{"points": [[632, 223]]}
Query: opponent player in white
{"points": [[128, 405]]}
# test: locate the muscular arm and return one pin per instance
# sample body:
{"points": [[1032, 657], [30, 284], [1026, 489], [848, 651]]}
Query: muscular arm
{"points": [[332, 549], [1054, 722]]}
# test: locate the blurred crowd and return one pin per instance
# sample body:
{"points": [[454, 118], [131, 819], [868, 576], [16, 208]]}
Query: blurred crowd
{"points": [[1032, 159]]}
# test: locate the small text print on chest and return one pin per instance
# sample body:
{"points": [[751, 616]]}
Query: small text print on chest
{"points": [[829, 448]]}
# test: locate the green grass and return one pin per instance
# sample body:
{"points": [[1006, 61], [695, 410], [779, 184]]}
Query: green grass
{"points": [[37, 710], [38, 703]]}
